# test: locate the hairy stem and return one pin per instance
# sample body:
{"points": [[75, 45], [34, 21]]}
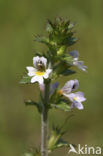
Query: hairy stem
{"points": [[44, 121], [44, 133]]}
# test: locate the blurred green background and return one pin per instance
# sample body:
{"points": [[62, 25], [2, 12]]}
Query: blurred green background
{"points": [[19, 21]]}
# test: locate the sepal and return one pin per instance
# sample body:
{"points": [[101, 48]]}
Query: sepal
{"points": [[67, 72], [62, 106], [58, 101]]}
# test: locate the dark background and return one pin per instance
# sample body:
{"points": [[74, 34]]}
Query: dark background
{"points": [[19, 21]]}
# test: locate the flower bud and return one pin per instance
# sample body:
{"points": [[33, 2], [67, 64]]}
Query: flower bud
{"points": [[61, 50]]}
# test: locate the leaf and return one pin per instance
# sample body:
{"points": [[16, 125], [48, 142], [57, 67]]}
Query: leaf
{"points": [[68, 72], [41, 39], [25, 80], [62, 106], [55, 141], [68, 59], [59, 144], [71, 41], [62, 143], [33, 103]]}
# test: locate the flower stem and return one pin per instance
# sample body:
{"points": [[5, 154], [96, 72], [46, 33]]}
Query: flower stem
{"points": [[44, 121], [44, 133]]}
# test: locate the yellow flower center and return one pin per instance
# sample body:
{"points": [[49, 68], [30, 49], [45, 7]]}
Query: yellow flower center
{"points": [[39, 73], [75, 98]]}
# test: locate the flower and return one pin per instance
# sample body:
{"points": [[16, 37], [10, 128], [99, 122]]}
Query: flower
{"points": [[77, 99], [79, 64], [69, 86], [39, 71]]}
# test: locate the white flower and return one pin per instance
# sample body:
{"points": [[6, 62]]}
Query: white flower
{"points": [[39, 71]]}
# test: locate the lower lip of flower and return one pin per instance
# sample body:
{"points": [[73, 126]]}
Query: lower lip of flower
{"points": [[38, 73], [75, 98]]}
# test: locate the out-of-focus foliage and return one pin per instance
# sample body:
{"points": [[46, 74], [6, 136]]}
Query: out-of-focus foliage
{"points": [[35, 153], [55, 140], [20, 21]]}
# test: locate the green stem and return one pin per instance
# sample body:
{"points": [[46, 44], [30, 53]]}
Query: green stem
{"points": [[44, 121], [44, 133]]}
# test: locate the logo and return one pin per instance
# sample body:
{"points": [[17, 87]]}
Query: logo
{"points": [[85, 150]]}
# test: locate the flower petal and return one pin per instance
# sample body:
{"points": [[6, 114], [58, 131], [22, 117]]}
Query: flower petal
{"points": [[31, 71], [35, 60], [46, 75], [34, 79], [80, 65], [74, 54], [44, 60], [77, 105], [48, 71], [31, 74], [80, 96], [70, 86], [75, 85], [71, 96], [40, 79]]}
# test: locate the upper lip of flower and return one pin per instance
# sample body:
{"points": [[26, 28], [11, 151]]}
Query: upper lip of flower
{"points": [[70, 86], [39, 71], [40, 63]]}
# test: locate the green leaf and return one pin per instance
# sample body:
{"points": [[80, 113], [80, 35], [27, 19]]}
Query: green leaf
{"points": [[61, 143], [62, 106], [71, 41], [41, 39], [68, 59], [25, 80], [33, 103], [68, 72], [55, 140]]}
